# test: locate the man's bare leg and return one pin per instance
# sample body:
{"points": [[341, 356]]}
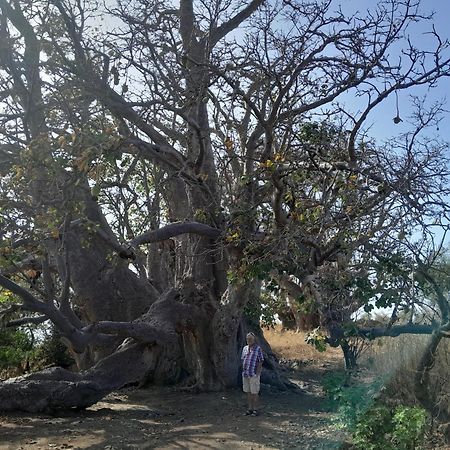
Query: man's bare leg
{"points": [[254, 401], [250, 401]]}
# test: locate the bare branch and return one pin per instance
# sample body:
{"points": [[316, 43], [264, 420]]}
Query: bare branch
{"points": [[227, 27], [176, 229], [26, 321], [140, 331]]}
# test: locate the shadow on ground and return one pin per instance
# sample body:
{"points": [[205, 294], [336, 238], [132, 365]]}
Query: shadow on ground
{"points": [[165, 418]]}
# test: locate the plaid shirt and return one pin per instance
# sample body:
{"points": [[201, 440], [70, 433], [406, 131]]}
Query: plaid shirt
{"points": [[250, 358]]}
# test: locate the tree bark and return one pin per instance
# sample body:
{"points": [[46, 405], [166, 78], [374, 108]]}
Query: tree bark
{"points": [[422, 377], [201, 348], [349, 356]]}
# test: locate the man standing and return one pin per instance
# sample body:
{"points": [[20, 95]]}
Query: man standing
{"points": [[252, 360]]}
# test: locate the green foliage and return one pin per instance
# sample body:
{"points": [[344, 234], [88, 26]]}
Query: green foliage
{"points": [[374, 426], [317, 340], [319, 134], [252, 312], [15, 347], [271, 304], [18, 347], [409, 427], [348, 401], [52, 352], [381, 428], [5, 297]]}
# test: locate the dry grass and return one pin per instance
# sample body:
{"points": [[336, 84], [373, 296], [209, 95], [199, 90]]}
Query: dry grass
{"points": [[388, 355], [397, 359], [291, 345]]}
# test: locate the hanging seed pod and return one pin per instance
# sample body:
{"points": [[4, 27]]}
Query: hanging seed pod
{"points": [[397, 118]]}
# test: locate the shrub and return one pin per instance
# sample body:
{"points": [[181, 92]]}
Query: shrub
{"points": [[381, 428], [409, 426], [15, 348], [349, 401], [373, 426], [52, 352], [372, 429]]}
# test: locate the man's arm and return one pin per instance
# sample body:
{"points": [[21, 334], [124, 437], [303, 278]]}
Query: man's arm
{"points": [[260, 362], [259, 368]]}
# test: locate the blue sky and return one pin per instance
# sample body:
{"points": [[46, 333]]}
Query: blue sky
{"points": [[380, 120], [379, 124]]}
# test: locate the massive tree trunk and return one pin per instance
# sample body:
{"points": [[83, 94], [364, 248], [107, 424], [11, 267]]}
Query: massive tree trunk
{"points": [[177, 340]]}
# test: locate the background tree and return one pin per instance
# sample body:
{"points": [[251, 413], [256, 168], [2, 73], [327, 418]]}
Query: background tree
{"points": [[205, 140]]}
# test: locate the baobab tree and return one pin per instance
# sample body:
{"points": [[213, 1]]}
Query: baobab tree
{"points": [[154, 172]]}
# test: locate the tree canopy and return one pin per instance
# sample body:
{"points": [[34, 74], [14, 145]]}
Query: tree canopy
{"points": [[157, 166]]}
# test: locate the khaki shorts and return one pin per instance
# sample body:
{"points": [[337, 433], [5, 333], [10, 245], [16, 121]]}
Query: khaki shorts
{"points": [[251, 384]]}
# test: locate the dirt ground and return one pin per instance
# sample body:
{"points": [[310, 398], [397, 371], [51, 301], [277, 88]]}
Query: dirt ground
{"points": [[166, 418]]}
